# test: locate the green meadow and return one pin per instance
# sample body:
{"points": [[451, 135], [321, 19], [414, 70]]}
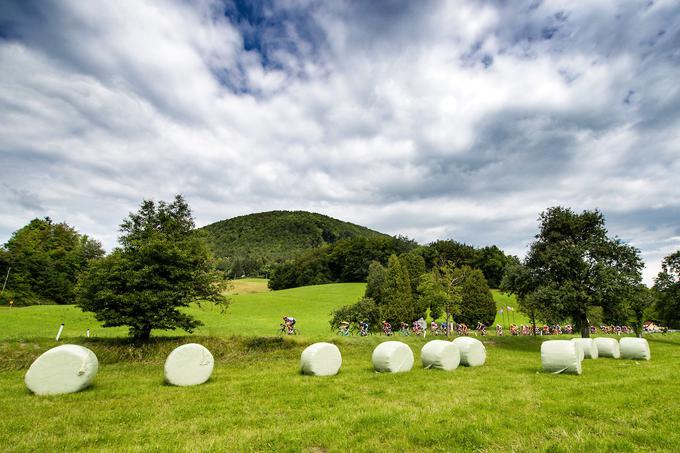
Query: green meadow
{"points": [[257, 400]]}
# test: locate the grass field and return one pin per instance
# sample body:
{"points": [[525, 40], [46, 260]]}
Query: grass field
{"points": [[256, 399], [254, 311]]}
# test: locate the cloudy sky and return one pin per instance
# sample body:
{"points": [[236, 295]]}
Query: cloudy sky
{"points": [[432, 119]]}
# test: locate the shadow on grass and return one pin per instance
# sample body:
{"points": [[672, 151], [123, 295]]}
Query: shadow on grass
{"points": [[526, 344]]}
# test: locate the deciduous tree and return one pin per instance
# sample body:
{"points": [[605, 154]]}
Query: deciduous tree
{"points": [[573, 266], [667, 291], [162, 264]]}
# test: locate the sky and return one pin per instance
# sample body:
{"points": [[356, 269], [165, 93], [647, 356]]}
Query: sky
{"points": [[437, 120]]}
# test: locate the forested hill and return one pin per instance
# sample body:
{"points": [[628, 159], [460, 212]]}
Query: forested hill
{"points": [[248, 244]]}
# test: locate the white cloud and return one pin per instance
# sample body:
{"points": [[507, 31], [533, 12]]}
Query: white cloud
{"points": [[437, 120]]}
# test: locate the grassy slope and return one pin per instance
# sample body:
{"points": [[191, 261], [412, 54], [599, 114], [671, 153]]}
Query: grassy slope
{"points": [[254, 311], [249, 314]]}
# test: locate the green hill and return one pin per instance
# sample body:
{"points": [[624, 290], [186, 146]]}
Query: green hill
{"points": [[249, 244]]}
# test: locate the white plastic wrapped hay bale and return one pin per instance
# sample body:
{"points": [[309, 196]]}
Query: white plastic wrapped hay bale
{"points": [[634, 349], [579, 351], [607, 347], [321, 359], [440, 354], [393, 357], [472, 351], [65, 369], [587, 346], [560, 356], [189, 364]]}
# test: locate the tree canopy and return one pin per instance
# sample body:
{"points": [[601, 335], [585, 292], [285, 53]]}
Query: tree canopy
{"points": [[162, 264], [46, 259], [252, 244], [667, 291], [573, 266]]}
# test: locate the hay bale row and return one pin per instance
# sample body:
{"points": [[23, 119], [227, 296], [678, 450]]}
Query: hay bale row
{"points": [[562, 356], [71, 368]]}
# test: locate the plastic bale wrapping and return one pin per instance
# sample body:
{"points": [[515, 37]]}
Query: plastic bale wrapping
{"points": [[579, 350], [634, 349], [472, 351], [393, 357], [321, 359], [607, 347], [189, 364], [560, 356], [588, 346], [67, 368], [439, 354]]}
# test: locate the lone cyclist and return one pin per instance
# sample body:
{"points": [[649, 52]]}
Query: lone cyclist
{"points": [[289, 322]]}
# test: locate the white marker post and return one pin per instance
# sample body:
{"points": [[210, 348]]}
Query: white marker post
{"points": [[87, 334], [61, 328]]}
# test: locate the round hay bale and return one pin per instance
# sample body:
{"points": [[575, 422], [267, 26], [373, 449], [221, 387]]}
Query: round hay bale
{"points": [[561, 356], [440, 354], [579, 350], [587, 346], [65, 369], [393, 357], [607, 347], [634, 348], [321, 359], [189, 364], [472, 351]]}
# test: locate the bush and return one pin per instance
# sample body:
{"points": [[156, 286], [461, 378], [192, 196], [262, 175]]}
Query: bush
{"points": [[365, 310]]}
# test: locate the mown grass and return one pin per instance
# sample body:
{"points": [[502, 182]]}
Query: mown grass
{"points": [[258, 401]]}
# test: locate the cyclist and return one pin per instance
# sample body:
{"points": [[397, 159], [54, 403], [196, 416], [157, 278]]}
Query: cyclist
{"points": [[434, 328], [481, 328], [387, 328], [404, 329], [344, 329], [363, 328], [289, 322]]}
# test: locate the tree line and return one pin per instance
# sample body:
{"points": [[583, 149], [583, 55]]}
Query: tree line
{"points": [[348, 260], [404, 291], [573, 271]]}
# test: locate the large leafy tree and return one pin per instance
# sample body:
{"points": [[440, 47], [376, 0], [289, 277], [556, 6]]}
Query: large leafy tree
{"points": [[397, 300], [476, 301], [46, 259], [432, 294], [667, 291], [415, 265], [162, 264], [375, 281], [573, 266]]}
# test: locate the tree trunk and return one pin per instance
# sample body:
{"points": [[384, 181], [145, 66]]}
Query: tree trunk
{"points": [[142, 334], [584, 326], [448, 322], [533, 323]]}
